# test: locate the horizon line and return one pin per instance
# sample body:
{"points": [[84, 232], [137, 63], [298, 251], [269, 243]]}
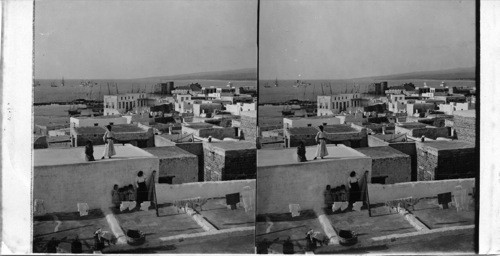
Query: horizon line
{"points": [[146, 77]]}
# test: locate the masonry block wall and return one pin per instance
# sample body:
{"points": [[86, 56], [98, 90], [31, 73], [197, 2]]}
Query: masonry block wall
{"points": [[248, 126], [240, 164], [397, 169], [226, 164], [177, 163], [410, 149], [445, 164], [432, 133], [89, 182], [465, 128], [195, 149], [185, 169]]}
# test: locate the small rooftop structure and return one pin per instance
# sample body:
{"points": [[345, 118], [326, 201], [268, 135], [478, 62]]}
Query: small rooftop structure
{"points": [[229, 160], [176, 165], [439, 160], [388, 164]]}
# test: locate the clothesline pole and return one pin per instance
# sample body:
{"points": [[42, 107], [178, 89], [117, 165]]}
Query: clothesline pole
{"points": [[366, 192], [154, 195]]}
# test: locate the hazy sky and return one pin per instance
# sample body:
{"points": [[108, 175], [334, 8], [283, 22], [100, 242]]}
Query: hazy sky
{"points": [[348, 39], [133, 39]]}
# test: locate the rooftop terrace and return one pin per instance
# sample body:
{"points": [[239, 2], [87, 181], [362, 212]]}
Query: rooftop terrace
{"points": [[273, 157], [446, 145], [465, 113], [119, 128], [233, 145], [97, 117], [168, 152], [63, 156], [339, 128], [381, 152]]}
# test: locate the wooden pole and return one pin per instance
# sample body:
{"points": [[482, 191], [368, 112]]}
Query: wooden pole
{"points": [[154, 195], [367, 196]]}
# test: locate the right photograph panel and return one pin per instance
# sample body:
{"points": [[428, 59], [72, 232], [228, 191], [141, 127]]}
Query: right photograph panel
{"points": [[366, 127]]}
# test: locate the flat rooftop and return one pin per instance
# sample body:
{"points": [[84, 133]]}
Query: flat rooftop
{"points": [[199, 125], [218, 214], [339, 128], [411, 125], [280, 226], [97, 117], [252, 113], [389, 137], [232, 145], [465, 113], [119, 128], [381, 152], [64, 156], [311, 117], [429, 212], [446, 145], [274, 157], [169, 152], [381, 223]]}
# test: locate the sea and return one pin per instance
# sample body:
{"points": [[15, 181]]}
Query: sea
{"points": [[72, 90]]}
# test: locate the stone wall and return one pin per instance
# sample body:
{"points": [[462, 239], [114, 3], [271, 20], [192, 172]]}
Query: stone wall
{"points": [[410, 149], [166, 193], [445, 164], [214, 164], [61, 187], [221, 164], [195, 149], [176, 163], [379, 193], [397, 169], [465, 128], [432, 133], [303, 183], [217, 132], [428, 132], [248, 127], [241, 164]]}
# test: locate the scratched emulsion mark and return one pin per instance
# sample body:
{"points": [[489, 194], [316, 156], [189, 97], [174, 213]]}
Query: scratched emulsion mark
{"points": [[270, 224], [58, 222]]}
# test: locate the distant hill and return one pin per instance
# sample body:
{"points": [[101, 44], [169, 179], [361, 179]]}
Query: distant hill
{"points": [[448, 74], [237, 74]]}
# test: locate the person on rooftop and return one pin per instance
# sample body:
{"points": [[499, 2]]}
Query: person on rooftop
{"points": [[115, 196], [89, 151], [142, 189], [109, 137], [321, 151], [301, 152], [327, 194], [354, 189]]}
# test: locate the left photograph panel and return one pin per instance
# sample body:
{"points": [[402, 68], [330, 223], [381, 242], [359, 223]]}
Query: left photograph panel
{"points": [[144, 126]]}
